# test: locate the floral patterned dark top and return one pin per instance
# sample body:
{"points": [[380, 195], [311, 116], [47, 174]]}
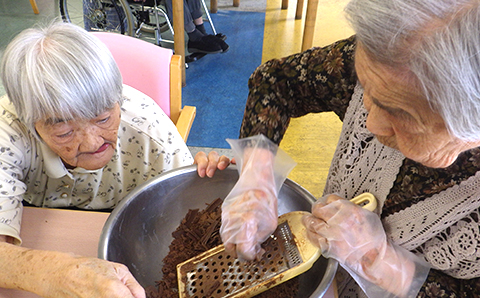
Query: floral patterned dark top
{"points": [[323, 79]]}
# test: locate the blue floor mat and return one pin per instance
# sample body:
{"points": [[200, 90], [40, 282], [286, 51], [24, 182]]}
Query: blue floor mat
{"points": [[217, 83]]}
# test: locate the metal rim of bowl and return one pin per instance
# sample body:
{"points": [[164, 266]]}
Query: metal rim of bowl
{"points": [[330, 270]]}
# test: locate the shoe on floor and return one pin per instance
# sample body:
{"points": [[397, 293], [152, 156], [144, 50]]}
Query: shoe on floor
{"points": [[222, 43], [207, 44], [220, 39], [221, 36]]}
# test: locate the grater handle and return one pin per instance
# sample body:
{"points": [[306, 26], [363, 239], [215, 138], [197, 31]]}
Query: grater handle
{"points": [[366, 200]]}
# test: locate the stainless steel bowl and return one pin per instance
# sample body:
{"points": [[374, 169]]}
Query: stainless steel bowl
{"points": [[139, 230]]}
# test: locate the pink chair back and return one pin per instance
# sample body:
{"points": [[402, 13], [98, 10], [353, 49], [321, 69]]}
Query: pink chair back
{"points": [[144, 66]]}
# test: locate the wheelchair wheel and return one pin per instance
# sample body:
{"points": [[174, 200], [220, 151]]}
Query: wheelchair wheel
{"points": [[146, 17], [99, 15]]}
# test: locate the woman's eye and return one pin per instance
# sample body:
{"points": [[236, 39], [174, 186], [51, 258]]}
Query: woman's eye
{"points": [[65, 134], [104, 120]]}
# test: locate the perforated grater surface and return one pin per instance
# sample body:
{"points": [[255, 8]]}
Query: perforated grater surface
{"points": [[221, 275]]}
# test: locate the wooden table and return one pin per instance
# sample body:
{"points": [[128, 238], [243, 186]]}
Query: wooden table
{"points": [[61, 230], [66, 231]]}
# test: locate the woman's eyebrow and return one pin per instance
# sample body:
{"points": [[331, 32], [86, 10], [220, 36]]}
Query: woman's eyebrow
{"points": [[390, 110], [53, 121]]}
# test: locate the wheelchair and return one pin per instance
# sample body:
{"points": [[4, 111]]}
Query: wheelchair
{"points": [[123, 16]]}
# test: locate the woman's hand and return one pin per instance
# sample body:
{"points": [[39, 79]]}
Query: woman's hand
{"points": [[355, 237], [344, 230], [89, 277], [250, 213], [247, 221], [208, 164], [57, 275]]}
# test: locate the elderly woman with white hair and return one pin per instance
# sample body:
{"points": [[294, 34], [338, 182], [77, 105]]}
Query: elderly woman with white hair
{"points": [[72, 136], [407, 88]]}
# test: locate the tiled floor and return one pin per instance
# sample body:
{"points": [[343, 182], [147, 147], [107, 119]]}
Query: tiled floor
{"points": [[310, 140], [16, 15]]}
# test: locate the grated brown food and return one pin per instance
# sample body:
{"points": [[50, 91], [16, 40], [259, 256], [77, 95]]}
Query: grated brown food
{"points": [[199, 232]]}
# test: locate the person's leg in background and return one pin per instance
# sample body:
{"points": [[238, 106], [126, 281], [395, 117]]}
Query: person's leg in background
{"points": [[198, 39]]}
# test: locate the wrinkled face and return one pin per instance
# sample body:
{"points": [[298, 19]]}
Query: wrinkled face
{"points": [[400, 118], [89, 144]]}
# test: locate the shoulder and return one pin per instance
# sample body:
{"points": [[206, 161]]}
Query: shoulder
{"points": [[7, 110], [136, 101], [10, 126], [143, 116], [139, 108], [18, 147]]}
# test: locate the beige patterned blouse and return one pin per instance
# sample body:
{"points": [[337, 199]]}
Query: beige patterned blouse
{"points": [[148, 144]]}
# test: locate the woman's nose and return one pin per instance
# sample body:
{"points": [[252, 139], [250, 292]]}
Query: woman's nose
{"points": [[367, 103], [378, 122], [91, 139]]}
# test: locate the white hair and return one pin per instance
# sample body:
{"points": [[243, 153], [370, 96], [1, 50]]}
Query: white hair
{"points": [[438, 43], [59, 71]]}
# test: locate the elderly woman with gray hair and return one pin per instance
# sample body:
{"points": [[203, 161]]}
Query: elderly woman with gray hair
{"points": [[407, 88], [72, 136]]}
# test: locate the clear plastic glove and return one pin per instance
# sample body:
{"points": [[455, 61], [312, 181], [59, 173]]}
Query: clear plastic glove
{"points": [[249, 212], [356, 239]]}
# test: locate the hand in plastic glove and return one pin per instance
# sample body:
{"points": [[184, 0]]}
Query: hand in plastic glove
{"points": [[56, 274], [248, 223], [249, 213], [356, 239]]}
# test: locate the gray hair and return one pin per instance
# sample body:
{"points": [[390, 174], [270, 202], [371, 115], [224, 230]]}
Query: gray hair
{"points": [[438, 43], [59, 71]]}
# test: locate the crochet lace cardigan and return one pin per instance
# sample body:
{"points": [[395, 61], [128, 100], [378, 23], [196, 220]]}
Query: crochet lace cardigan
{"points": [[432, 212], [443, 225]]}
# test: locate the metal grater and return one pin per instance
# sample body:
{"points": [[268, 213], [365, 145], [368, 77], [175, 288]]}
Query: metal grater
{"points": [[230, 275], [289, 253]]}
